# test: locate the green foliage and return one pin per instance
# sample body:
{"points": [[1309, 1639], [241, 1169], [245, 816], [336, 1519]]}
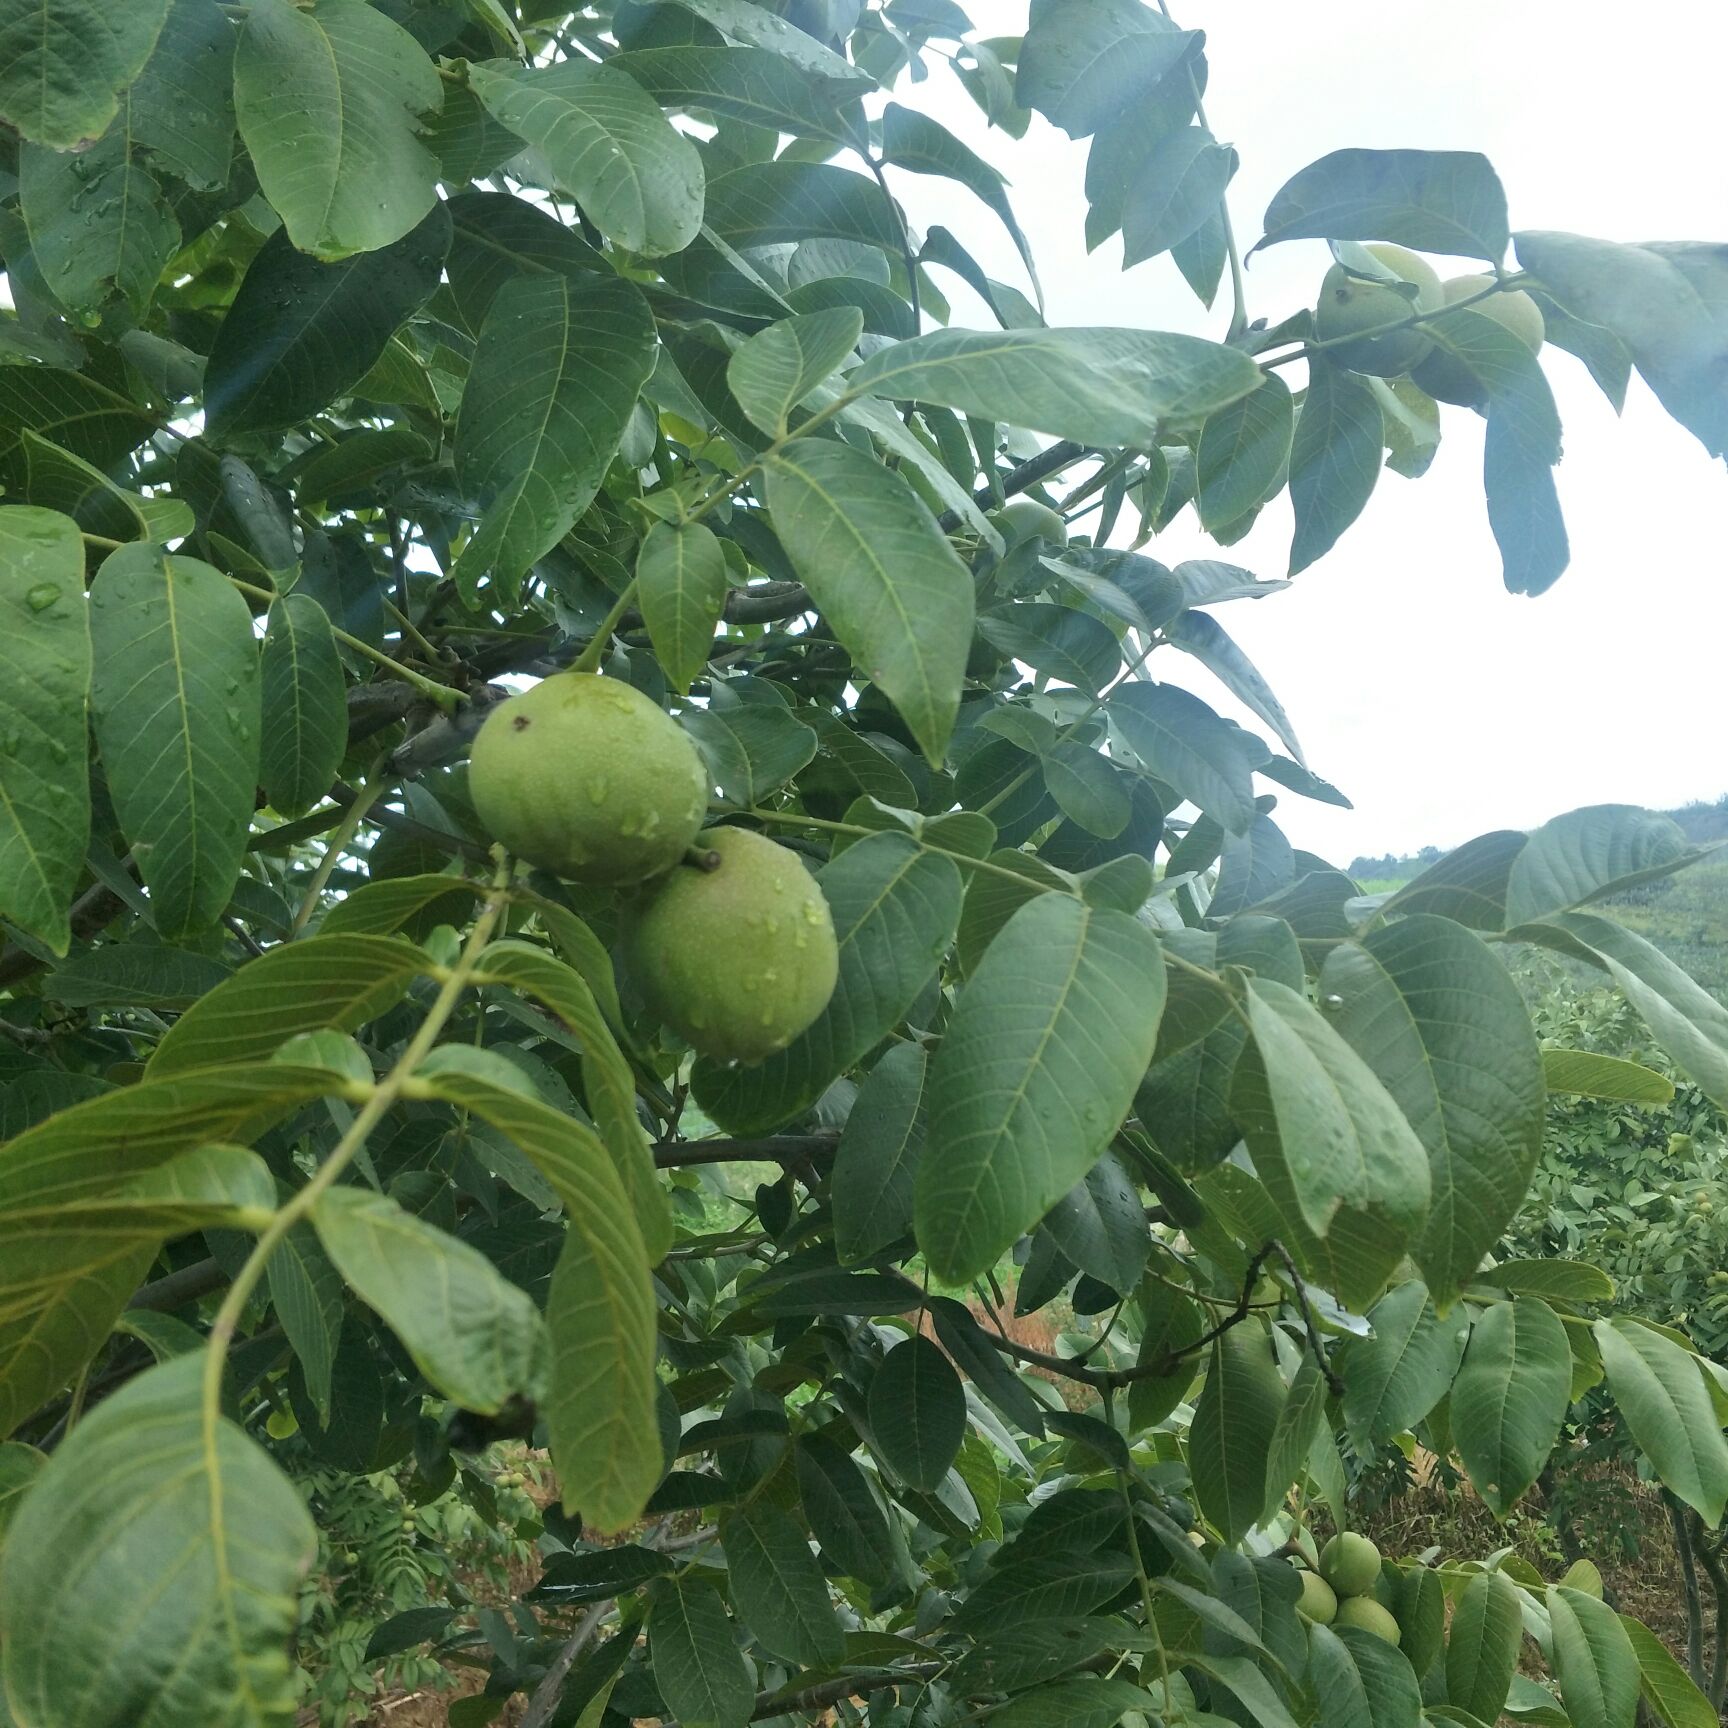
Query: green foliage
{"points": [[362, 359]]}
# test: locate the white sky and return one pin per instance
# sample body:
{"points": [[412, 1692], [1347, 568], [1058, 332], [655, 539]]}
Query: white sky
{"points": [[1440, 703]]}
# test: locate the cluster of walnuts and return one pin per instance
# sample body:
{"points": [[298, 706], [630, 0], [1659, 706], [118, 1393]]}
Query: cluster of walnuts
{"points": [[730, 937]]}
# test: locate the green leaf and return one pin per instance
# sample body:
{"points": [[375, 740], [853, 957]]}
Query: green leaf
{"points": [[99, 226], [887, 582], [1097, 386], [1200, 634], [1182, 742], [1084, 61], [842, 1511], [181, 108], [556, 374], [1522, 446], [917, 1413], [1666, 1686], [1042, 1587], [44, 683], [305, 714], [1553, 1280], [134, 975], [336, 981], [19, 1467], [600, 1310], [755, 85], [1448, 201], [1170, 1323], [1691, 1024], [1593, 1659], [1244, 452], [914, 141], [1100, 1225], [1429, 1007], [1334, 460], [1234, 1421], [86, 417], [602, 138], [1660, 1390], [307, 1293], [969, 1345], [1093, 1701], [1050, 1036], [750, 749], [1588, 853], [301, 333], [701, 1674], [329, 104], [877, 1160], [777, 1587], [755, 25], [497, 236], [1663, 300], [1394, 1378], [478, 1339], [782, 202], [175, 705], [1482, 1647], [381, 908], [682, 580], [607, 1081], [1180, 188], [150, 1532], [63, 64], [1366, 1682], [1346, 1143], [1586, 1074], [1088, 789], [778, 367], [1510, 1397], [350, 469]]}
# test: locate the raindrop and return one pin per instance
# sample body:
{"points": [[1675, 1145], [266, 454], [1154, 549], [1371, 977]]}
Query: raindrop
{"points": [[42, 596]]}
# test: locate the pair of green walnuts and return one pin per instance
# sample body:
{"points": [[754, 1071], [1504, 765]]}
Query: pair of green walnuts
{"points": [[1342, 1591], [731, 939], [1350, 305]]}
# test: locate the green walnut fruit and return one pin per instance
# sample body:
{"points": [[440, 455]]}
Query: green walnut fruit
{"points": [[1365, 1612], [1318, 1601], [738, 959], [1350, 1564], [588, 778], [1350, 304], [1444, 376], [1022, 518]]}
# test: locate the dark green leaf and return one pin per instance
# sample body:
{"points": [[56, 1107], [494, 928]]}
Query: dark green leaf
{"points": [[1098, 386], [1510, 1398], [1433, 200], [1051, 1035], [970, 1346], [1234, 1421], [175, 705], [755, 85], [1366, 1682], [698, 1667], [886, 580], [600, 137], [305, 715], [778, 367], [776, 203], [134, 975], [301, 333], [1084, 61], [141, 1492], [44, 683], [62, 66], [750, 749], [306, 1292], [877, 1161], [1663, 300], [1394, 1378], [842, 1511], [744, 21], [1334, 460], [556, 373], [1482, 1648], [777, 1587], [338, 981], [329, 104], [1182, 742], [1660, 1390], [1667, 1686], [496, 236], [917, 1413], [1178, 190], [1244, 452], [1593, 1659], [1429, 1007], [1100, 1225], [1091, 1701], [1585, 854]]}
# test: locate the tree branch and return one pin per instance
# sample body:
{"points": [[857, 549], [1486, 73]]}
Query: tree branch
{"points": [[180, 1288], [1688, 1589], [774, 1148]]}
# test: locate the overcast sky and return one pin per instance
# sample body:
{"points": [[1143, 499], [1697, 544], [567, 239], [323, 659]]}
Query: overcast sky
{"points": [[1441, 704]]}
